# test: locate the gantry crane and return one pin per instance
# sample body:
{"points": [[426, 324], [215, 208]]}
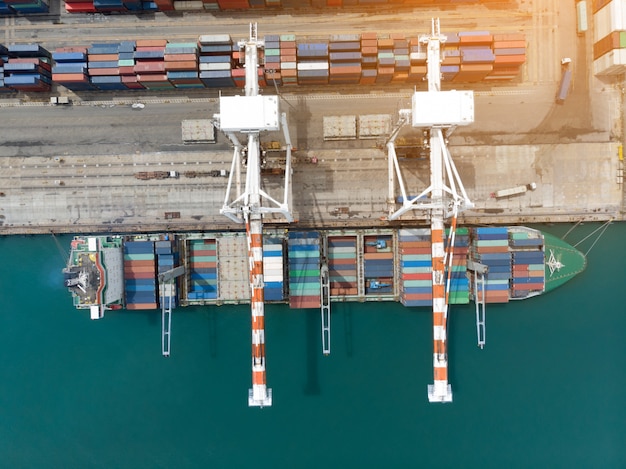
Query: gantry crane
{"points": [[250, 115], [439, 112]]}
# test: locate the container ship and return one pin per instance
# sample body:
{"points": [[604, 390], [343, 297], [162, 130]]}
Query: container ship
{"points": [[114, 272]]}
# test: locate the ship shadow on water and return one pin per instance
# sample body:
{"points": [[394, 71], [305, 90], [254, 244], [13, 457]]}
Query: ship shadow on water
{"points": [[312, 346]]}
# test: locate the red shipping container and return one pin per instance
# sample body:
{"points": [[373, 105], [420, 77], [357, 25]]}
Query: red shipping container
{"points": [[97, 72]]}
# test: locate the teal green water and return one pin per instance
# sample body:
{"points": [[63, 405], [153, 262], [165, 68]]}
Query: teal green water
{"points": [[547, 391]]}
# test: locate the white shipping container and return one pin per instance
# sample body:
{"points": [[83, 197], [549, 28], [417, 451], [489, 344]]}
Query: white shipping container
{"points": [[288, 65], [207, 39], [608, 19], [272, 247], [215, 66], [182, 5], [312, 65], [273, 278], [612, 63]]}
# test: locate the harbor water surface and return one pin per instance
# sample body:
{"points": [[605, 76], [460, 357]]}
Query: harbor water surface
{"points": [[548, 390]]}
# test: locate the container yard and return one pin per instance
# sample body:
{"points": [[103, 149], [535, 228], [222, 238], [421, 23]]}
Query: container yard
{"points": [[212, 61]]}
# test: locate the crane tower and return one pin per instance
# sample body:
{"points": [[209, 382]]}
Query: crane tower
{"points": [[439, 112], [250, 115]]}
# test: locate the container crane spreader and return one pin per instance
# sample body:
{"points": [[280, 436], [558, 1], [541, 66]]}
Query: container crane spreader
{"points": [[250, 115], [439, 112]]}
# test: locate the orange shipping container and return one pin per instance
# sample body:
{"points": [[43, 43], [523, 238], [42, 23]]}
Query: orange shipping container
{"points": [[509, 37], [369, 35], [151, 43], [69, 78], [179, 57], [102, 57]]}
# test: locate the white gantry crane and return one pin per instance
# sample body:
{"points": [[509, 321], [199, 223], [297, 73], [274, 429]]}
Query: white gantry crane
{"points": [[439, 112], [250, 115]]}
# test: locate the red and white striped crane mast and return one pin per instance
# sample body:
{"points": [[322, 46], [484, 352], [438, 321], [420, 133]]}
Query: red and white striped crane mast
{"points": [[439, 112], [250, 115]]}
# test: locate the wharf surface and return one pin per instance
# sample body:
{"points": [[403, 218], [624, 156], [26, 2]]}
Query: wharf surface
{"points": [[71, 169]]}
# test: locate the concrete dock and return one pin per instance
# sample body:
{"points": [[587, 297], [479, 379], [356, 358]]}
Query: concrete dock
{"points": [[72, 169]]}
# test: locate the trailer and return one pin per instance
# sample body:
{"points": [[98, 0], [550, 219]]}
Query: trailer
{"points": [[512, 191], [566, 80]]}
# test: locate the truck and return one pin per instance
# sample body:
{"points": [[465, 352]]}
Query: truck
{"points": [[145, 175], [517, 190], [566, 80]]}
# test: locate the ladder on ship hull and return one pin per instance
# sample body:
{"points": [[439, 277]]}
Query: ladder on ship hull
{"points": [[479, 270]]}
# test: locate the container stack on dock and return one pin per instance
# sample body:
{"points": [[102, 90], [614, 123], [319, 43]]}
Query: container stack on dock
{"points": [[167, 259], [528, 260], [490, 247], [477, 57], [386, 61], [609, 48], [345, 59], [140, 275], [342, 265], [181, 64], [202, 283], [226, 5], [272, 53], [27, 67], [23, 7], [273, 268], [70, 68], [215, 60], [365, 59], [417, 59], [150, 64], [233, 276], [378, 270], [369, 58], [416, 287], [103, 66], [313, 68], [288, 59], [510, 55], [304, 269]]}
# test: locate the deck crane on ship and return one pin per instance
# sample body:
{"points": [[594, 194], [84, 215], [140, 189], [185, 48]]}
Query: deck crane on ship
{"points": [[250, 115], [439, 112]]}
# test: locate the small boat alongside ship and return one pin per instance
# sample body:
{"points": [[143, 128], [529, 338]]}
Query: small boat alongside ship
{"points": [[122, 271]]}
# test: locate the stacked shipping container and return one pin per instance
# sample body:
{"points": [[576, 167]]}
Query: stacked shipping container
{"points": [[362, 59], [304, 269], [490, 247], [215, 61], [416, 288], [459, 282], [609, 48], [70, 69], [181, 65], [129, 6], [312, 66], [378, 264], [342, 265], [27, 67], [510, 55], [140, 275], [345, 59], [23, 7], [528, 263], [202, 273], [167, 259], [273, 268]]}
